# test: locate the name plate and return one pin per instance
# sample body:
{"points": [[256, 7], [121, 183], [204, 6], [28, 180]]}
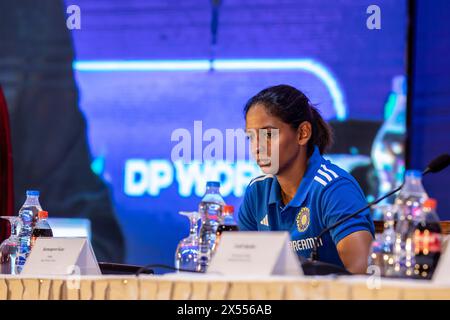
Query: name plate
{"points": [[255, 254], [61, 256], [442, 274]]}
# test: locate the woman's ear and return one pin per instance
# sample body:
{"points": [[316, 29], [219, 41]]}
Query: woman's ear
{"points": [[304, 133]]}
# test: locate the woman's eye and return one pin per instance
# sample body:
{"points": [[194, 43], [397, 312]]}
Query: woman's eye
{"points": [[273, 134]]}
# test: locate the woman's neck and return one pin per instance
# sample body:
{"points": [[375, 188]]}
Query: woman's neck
{"points": [[291, 178]]}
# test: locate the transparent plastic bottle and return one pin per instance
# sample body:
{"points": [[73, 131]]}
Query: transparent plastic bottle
{"points": [[409, 205], [32, 203], [427, 240], [42, 228], [210, 209], [389, 144], [227, 223], [24, 239]]}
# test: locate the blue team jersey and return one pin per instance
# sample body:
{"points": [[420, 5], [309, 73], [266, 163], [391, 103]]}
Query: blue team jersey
{"points": [[326, 194]]}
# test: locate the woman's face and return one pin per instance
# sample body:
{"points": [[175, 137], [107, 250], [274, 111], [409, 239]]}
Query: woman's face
{"points": [[275, 145]]}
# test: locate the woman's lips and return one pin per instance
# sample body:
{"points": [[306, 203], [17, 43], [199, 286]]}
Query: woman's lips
{"points": [[264, 163]]}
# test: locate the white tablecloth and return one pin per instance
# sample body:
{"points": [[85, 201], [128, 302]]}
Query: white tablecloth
{"points": [[204, 287]]}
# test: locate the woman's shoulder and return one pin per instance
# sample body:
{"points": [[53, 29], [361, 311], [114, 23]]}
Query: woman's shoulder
{"points": [[262, 180], [260, 186], [257, 190], [330, 175]]}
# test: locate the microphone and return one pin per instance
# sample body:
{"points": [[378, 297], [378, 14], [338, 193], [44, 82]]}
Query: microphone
{"points": [[436, 165]]}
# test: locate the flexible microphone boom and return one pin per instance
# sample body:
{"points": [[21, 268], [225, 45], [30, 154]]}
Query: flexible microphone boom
{"points": [[436, 165]]}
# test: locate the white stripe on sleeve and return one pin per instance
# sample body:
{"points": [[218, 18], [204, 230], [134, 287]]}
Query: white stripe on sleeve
{"points": [[330, 171], [320, 180]]}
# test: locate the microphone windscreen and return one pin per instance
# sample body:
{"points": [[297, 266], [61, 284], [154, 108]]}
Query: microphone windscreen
{"points": [[439, 163]]}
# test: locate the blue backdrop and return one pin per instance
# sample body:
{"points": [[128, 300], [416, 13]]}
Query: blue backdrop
{"points": [[430, 115], [142, 70]]}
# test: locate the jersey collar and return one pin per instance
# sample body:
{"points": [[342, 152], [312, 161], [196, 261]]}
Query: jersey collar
{"points": [[314, 163]]}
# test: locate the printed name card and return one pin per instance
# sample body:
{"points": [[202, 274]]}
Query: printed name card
{"points": [[61, 256], [442, 273], [255, 254]]}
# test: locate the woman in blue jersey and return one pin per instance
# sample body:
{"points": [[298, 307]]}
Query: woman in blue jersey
{"points": [[301, 192]]}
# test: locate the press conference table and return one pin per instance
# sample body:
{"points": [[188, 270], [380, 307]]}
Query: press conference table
{"points": [[187, 286], [208, 287]]}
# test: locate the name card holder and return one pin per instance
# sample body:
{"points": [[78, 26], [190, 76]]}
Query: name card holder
{"points": [[255, 254], [61, 256]]}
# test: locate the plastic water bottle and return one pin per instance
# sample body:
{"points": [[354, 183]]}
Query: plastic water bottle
{"points": [[427, 240], [210, 209], [32, 203], [42, 228], [24, 239], [409, 205], [388, 146]]}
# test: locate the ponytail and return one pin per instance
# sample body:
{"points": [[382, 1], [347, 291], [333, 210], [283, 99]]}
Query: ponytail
{"points": [[322, 135]]}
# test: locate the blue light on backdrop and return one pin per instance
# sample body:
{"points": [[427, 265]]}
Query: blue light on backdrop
{"points": [[308, 65]]}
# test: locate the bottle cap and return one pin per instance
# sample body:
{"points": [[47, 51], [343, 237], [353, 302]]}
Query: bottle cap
{"points": [[214, 184], [32, 193], [42, 214], [430, 203], [227, 209]]}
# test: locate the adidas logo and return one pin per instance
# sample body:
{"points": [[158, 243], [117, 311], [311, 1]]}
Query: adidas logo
{"points": [[265, 221]]}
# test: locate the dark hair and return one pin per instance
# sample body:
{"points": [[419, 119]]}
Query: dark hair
{"points": [[293, 107]]}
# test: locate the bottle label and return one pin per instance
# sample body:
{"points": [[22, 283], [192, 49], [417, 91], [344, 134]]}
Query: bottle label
{"points": [[426, 242]]}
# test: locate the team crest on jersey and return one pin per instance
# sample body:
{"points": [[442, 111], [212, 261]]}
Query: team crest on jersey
{"points": [[303, 219]]}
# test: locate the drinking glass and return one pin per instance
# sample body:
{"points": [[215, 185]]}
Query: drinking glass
{"points": [[187, 252], [10, 247], [382, 254]]}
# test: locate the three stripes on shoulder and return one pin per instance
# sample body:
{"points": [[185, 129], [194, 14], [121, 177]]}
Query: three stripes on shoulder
{"points": [[325, 175]]}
